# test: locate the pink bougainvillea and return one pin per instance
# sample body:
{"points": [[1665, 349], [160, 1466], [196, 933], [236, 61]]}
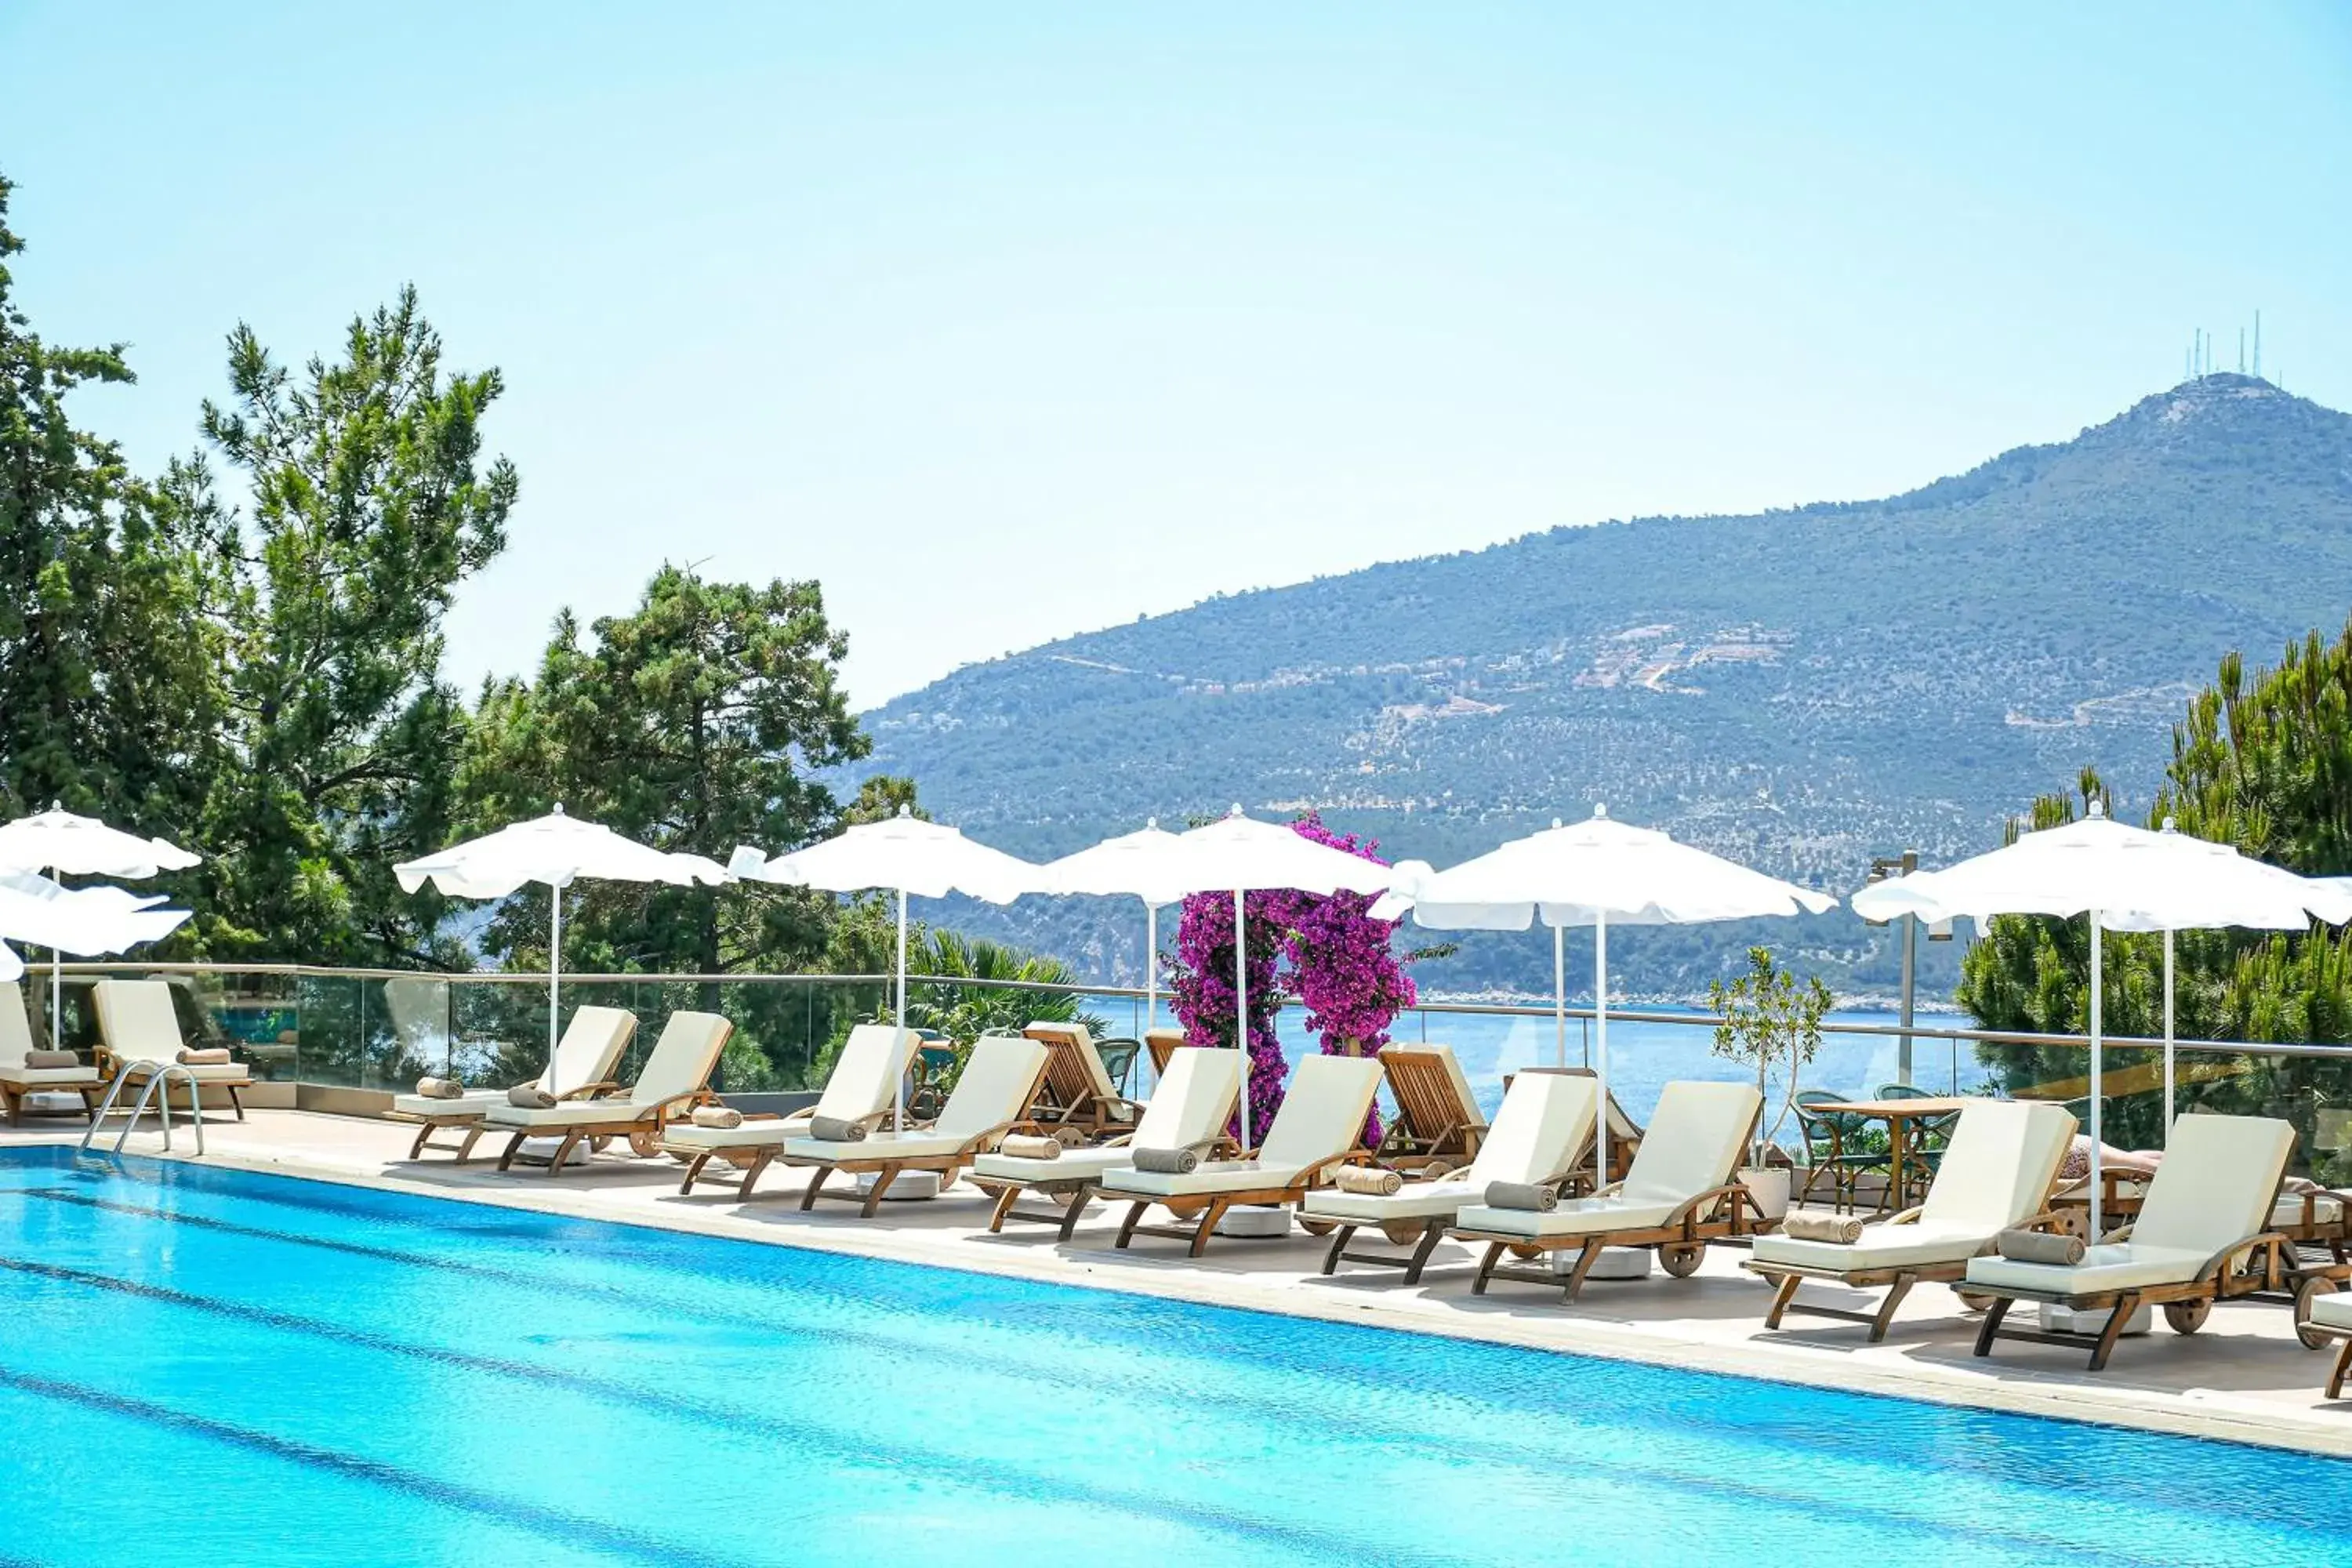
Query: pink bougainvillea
{"points": [[1327, 951]]}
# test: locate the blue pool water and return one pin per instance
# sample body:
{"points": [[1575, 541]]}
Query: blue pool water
{"points": [[297, 1373]]}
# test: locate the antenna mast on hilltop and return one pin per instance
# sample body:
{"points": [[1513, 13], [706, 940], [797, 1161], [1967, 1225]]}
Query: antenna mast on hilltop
{"points": [[2258, 344]]}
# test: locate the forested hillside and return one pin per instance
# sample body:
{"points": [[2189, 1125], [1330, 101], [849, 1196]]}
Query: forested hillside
{"points": [[1802, 688]]}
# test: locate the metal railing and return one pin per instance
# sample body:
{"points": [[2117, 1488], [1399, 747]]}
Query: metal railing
{"points": [[380, 1029]]}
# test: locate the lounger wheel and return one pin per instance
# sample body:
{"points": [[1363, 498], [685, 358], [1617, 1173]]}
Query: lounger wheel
{"points": [[1974, 1300], [1522, 1250], [598, 1145], [1682, 1259], [1317, 1227], [1403, 1232], [645, 1144], [2188, 1317], [2310, 1291]]}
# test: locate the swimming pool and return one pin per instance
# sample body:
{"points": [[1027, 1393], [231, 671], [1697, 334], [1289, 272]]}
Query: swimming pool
{"points": [[258, 1369]]}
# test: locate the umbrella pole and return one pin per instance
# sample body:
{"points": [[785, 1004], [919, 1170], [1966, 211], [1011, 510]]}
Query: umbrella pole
{"points": [[2098, 1216], [1601, 1032], [898, 1086], [554, 969], [2168, 1034], [57, 988], [1240, 1014], [1150, 975], [1560, 996]]}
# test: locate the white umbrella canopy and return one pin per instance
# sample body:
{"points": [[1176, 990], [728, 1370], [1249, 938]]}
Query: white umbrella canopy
{"points": [[556, 850], [1146, 864], [1597, 873], [57, 840], [85, 922], [908, 856], [11, 966], [2123, 878], [1245, 855]]}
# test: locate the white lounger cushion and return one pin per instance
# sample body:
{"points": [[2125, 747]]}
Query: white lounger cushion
{"points": [[998, 1080], [1995, 1173], [2326, 1208], [1416, 1200], [475, 1103], [1921, 1245], [678, 1065], [203, 1072], [2216, 1186], [1074, 1164], [865, 1075], [136, 1020], [2112, 1267], [1694, 1145], [2334, 1310], [50, 1078], [883, 1145], [1545, 1120], [1192, 1104], [1204, 1180], [1321, 1118]]}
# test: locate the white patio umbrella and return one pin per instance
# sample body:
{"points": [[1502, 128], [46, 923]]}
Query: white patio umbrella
{"points": [[1242, 855], [2123, 878], [63, 843], [557, 850], [1145, 864], [1597, 873], [11, 966], [85, 922], [909, 857]]}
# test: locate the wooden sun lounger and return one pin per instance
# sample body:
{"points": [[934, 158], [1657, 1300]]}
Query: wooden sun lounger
{"points": [[2200, 1239], [1076, 1091], [580, 1068], [1163, 1044], [139, 1031], [1437, 1122], [861, 1089], [19, 1082], [2330, 1318], [991, 1099], [1542, 1134], [676, 1077], [1319, 1127], [1995, 1175], [1684, 1168], [1190, 1110]]}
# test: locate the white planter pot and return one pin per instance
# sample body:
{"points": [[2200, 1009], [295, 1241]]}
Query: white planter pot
{"points": [[1768, 1189]]}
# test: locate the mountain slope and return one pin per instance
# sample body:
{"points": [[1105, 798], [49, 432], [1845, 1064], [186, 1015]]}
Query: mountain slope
{"points": [[1801, 689]]}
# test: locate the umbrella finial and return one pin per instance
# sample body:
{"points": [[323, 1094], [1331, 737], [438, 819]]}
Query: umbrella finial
{"points": [[2098, 810], [1235, 809], [559, 809], [906, 810], [1600, 809], [1555, 822], [2171, 824], [1150, 822]]}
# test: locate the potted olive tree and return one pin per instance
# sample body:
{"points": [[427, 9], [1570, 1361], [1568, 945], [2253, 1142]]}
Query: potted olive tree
{"points": [[1770, 1018]]}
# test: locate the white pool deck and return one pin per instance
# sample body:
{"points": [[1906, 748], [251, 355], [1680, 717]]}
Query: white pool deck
{"points": [[2242, 1377]]}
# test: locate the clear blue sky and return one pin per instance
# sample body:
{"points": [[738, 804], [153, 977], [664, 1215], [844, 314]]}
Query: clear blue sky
{"points": [[1007, 322]]}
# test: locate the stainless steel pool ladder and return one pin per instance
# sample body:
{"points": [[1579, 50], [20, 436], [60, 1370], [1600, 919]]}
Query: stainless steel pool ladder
{"points": [[154, 1089]]}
